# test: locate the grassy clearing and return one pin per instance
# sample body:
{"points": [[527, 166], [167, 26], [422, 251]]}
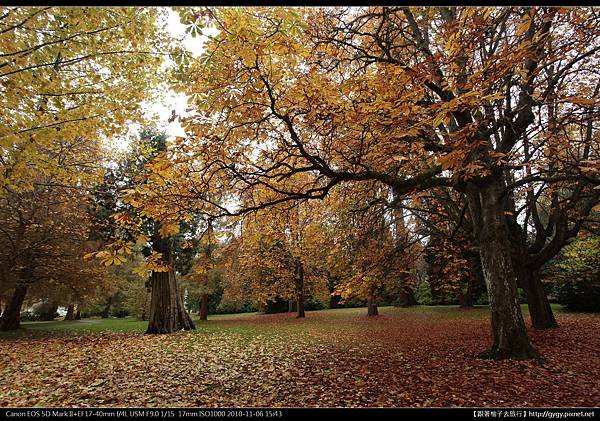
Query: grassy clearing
{"points": [[218, 321], [420, 356]]}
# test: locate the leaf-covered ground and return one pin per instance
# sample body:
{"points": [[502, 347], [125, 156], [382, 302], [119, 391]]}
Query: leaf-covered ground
{"points": [[406, 357]]}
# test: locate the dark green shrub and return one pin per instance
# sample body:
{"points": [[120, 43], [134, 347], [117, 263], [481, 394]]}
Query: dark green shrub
{"points": [[313, 303], [423, 293], [30, 316], [579, 295], [45, 311], [483, 299], [575, 274]]}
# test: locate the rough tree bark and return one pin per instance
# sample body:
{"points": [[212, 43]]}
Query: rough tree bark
{"points": [[10, 319], [167, 312], [300, 305], [509, 334], [203, 311], [540, 310]]}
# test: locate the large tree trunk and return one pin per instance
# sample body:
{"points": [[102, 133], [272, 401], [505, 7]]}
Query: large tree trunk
{"points": [[528, 275], [167, 313], [70, 312], [203, 307], [509, 334], [540, 311], [372, 306], [10, 319]]}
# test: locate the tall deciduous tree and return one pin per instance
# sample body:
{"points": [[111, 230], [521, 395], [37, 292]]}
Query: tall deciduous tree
{"points": [[281, 256], [68, 78], [412, 98], [157, 237], [68, 72], [371, 249], [46, 236]]}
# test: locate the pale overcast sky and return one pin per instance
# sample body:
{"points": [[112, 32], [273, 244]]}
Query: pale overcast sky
{"points": [[161, 107], [173, 101]]}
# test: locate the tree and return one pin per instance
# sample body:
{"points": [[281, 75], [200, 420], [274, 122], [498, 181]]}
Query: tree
{"points": [[283, 92], [371, 251], [205, 275], [69, 77], [281, 255], [70, 73], [453, 262], [46, 233], [124, 291], [156, 237], [575, 274], [553, 209]]}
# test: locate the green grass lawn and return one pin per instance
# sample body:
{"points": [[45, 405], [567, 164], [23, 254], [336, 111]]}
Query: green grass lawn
{"points": [[418, 356], [219, 321]]}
